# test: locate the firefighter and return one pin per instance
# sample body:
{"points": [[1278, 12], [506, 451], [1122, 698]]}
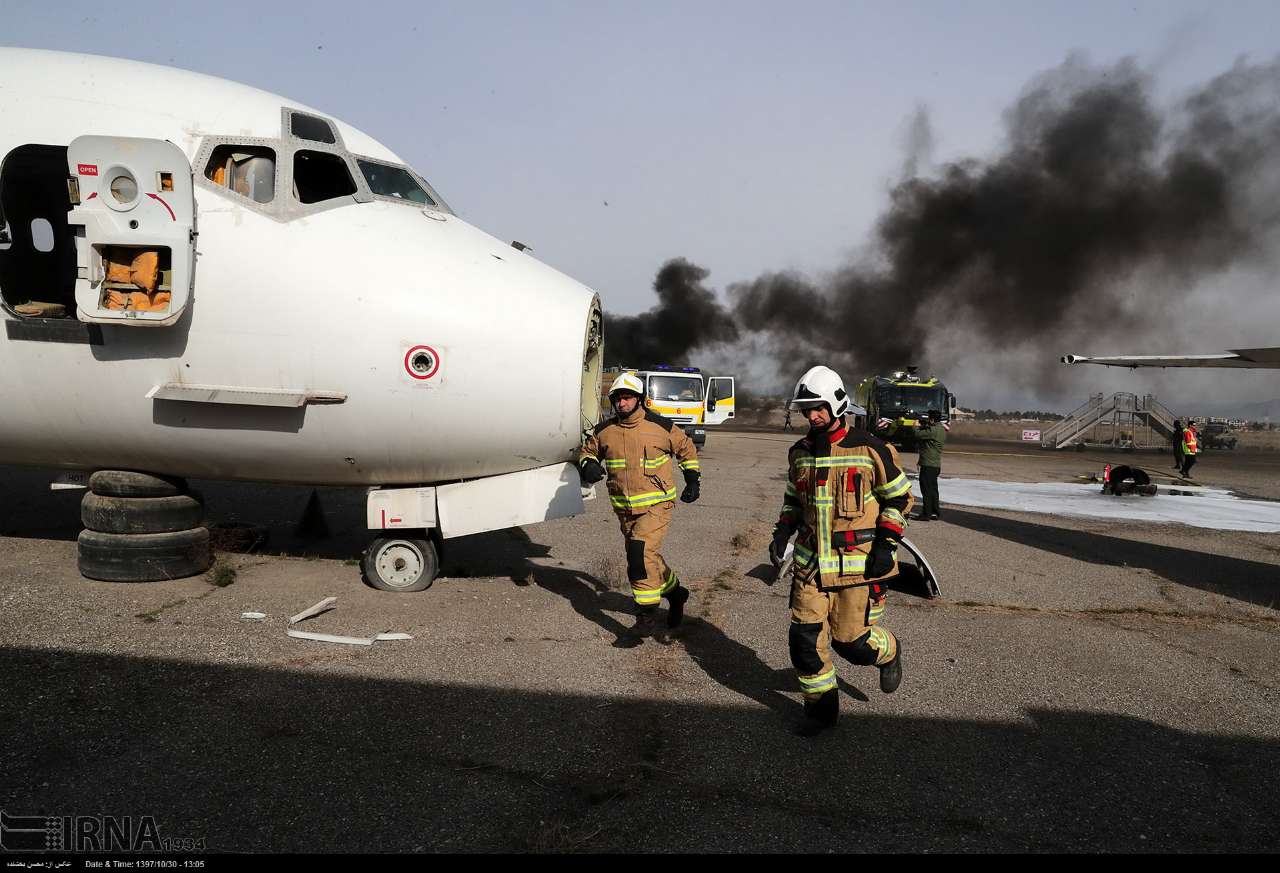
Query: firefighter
{"points": [[1190, 448], [931, 438], [1177, 444], [637, 450], [846, 502]]}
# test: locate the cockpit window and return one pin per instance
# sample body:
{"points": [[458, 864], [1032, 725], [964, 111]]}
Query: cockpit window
{"points": [[312, 128], [247, 170], [319, 176], [387, 181]]}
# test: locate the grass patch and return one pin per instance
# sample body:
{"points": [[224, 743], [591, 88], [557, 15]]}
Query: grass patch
{"points": [[221, 574]]}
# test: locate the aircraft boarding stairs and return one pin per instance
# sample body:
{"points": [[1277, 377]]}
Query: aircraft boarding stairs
{"points": [[1122, 420]]}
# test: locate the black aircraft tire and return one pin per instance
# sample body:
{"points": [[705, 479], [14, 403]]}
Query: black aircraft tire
{"points": [[140, 515], [126, 483], [110, 557], [400, 564]]}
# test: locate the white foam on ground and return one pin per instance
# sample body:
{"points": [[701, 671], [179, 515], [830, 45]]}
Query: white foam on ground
{"points": [[1211, 508]]}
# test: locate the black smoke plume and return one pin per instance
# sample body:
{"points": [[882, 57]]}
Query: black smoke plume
{"points": [[687, 316], [1099, 216]]}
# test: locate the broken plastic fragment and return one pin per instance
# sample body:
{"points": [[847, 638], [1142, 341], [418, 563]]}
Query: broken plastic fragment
{"points": [[323, 606], [330, 638], [253, 616]]}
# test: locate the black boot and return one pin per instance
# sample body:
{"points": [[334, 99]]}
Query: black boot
{"points": [[646, 622], [820, 714], [891, 673], [676, 598]]}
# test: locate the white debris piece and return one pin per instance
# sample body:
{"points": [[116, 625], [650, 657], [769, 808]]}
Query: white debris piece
{"points": [[1212, 508], [323, 606], [350, 641], [253, 616], [330, 638]]}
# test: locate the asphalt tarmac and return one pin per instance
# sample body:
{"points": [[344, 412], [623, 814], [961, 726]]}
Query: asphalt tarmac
{"points": [[1080, 686]]}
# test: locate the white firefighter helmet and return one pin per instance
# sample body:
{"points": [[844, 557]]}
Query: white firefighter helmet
{"points": [[627, 382], [824, 385]]}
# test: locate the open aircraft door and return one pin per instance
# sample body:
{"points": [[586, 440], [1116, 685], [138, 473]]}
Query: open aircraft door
{"points": [[134, 219], [720, 402]]}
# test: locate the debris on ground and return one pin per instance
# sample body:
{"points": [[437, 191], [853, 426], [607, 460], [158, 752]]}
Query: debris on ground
{"points": [[324, 606]]}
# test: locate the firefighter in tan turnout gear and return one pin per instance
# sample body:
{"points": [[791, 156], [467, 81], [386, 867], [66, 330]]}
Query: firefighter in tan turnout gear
{"points": [[846, 502], [638, 450]]}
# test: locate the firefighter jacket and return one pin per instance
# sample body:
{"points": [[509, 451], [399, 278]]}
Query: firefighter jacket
{"points": [[844, 489], [1190, 443], [638, 453]]}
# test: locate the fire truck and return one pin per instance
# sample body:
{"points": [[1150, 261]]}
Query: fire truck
{"points": [[896, 404], [681, 394]]}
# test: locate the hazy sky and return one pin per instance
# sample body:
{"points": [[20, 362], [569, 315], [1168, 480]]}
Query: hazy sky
{"points": [[745, 136]]}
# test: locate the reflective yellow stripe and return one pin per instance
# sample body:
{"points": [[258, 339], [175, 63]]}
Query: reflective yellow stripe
{"points": [[820, 683], [896, 488], [850, 563], [879, 640], [690, 465], [646, 596], [655, 463], [615, 463], [894, 516], [819, 679], [811, 463], [635, 501]]}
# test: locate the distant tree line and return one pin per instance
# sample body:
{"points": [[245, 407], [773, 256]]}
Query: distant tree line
{"points": [[1015, 415]]}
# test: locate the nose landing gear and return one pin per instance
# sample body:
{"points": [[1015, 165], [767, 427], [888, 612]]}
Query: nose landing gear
{"points": [[401, 563]]}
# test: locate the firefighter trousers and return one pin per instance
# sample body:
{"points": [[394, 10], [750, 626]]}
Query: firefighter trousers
{"points": [[846, 620], [650, 576]]}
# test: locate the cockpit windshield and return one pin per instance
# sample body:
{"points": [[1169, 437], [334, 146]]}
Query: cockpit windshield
{"points": [[386, 180], [912, 398]]}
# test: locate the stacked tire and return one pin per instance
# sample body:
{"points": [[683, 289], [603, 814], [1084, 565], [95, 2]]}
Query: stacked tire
{"points": [[141, 528]]}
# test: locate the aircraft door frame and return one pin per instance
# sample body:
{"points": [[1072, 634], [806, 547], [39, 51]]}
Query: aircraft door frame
{"points": [[135, 223]]}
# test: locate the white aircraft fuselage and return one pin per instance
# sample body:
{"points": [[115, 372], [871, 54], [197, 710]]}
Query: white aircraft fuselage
{"points": [[391, 342]]}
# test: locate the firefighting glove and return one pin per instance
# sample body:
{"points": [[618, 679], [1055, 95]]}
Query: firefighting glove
{"points": [[880, 558], [778, 548], [691, 488], [591, 471]]}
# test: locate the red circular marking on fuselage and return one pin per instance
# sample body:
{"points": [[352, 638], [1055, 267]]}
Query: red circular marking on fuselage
{"points": [[408, 368]]}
